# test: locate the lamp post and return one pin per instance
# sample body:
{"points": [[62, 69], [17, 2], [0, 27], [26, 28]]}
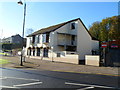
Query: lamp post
{"points": [[21, 3]]}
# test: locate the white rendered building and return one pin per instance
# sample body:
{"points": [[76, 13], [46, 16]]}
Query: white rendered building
{"points": [[66, 42]]}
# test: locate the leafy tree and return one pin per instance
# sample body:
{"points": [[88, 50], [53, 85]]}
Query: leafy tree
{"points": [[95, 30], [107, 29], [6, 46]]}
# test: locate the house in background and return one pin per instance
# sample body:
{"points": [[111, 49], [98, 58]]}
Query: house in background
{"points": [[17, 39], [66, 42]]}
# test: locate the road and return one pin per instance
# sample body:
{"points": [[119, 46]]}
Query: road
{"points": [[23, 79]]}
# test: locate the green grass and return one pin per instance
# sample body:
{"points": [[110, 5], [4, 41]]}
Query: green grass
{"points": [[4, 54], [3, 61]]}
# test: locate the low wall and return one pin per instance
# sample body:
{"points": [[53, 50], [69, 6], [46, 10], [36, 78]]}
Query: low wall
{"points": [[92, 60], [67, 59]]}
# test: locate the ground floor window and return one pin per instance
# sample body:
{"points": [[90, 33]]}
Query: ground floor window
{"points": [[30, 52], [38, 51], [58, 54], [45, 52], [33, 52]]}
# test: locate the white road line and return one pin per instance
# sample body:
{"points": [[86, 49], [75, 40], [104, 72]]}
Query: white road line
{"points": [[7, 87], [27, 84], [88, 85], [3, 78], [21, 78], [85, 88]]}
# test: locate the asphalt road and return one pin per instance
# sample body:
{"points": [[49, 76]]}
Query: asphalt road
{"points": [[23, 79]]}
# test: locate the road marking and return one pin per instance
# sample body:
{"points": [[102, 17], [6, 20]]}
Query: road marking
{"points": [[86, 88], [21, 78], [27, 84], [3, 78], [8, 87], [88, 85]]}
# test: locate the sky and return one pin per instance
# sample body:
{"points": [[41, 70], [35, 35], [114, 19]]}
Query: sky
{"points": [[44, 14]]}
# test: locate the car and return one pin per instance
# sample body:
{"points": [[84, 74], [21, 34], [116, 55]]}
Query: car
{"points": [[114, 46]]}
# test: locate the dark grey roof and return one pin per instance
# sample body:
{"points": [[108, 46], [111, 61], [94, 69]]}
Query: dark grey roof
{"points": [[51, 28], [54, 27]]}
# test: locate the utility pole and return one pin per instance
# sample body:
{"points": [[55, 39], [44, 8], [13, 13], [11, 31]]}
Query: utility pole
{"points": [[21, 3]]}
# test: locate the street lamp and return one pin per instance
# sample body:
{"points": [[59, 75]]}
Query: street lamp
{"points": [[21, 3]]}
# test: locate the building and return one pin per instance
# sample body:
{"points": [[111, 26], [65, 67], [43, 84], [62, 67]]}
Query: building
{"points": [[17, 39], [13, 42], [66, 42]]}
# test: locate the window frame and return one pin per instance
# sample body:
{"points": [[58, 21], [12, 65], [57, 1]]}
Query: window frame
{"points": [[72, 26]]}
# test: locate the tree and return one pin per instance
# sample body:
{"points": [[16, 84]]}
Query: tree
{"points": [[107, 29], [29, 31], [114, 32], [95, 30], [6, 46]]}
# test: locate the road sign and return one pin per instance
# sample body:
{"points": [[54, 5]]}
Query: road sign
{"points": [[104, 45]]}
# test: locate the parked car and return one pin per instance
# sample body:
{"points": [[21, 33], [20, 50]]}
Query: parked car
{"points": [[114, 46]]}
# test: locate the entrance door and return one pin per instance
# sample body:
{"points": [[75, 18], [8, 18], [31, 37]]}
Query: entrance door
{"points": [[38, 51], [45, 52]]}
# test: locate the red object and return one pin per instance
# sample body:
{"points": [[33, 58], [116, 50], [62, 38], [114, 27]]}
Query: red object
{"points": [[114, 46], [104, 45], [111, 44]]}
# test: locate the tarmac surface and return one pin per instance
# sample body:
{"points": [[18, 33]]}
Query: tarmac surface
{"points": [[37, 64], [34, 79]]}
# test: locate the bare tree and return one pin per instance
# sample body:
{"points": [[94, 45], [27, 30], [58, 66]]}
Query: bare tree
{"points": [[29, 31]]}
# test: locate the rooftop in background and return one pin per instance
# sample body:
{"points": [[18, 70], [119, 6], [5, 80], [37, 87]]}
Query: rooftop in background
{"points": [[13, 39]]}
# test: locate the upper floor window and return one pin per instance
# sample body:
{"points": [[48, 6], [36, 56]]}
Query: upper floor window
{"points": [[73, 39], [45, 38], [72, 26], [33, 39]]}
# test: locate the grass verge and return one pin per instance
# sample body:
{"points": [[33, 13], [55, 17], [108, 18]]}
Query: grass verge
{"points": [[3, 61], [4, 54]]}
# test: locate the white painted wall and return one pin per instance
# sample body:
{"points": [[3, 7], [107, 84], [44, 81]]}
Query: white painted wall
{"points": [[28, 42], [66, 29], [93, 60], [83, 41], [67, 58]]}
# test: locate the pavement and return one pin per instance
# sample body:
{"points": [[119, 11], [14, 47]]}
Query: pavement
{"points": [[37, 64]]}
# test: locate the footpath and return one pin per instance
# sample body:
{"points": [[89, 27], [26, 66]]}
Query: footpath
{"points": [[37, 64]]}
